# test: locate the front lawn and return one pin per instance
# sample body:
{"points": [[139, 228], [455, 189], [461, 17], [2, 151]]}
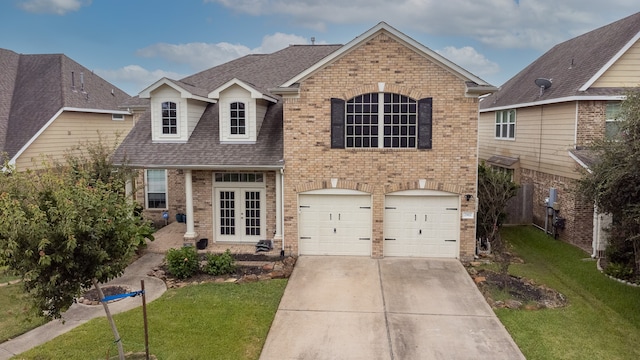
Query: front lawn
{"points": [[15, 317], [207, 321], [602, 320]]}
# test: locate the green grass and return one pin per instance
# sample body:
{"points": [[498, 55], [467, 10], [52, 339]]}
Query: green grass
{"points": [[15, 313], [208, 321], [602, 320], [5, 276]]}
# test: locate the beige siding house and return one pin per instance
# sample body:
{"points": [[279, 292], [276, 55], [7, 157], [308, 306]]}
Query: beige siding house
{"points": [[50, 103], [540, 124], [363, 149]]}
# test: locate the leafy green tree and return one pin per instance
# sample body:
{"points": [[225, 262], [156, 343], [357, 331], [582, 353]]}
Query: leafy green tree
{"points": [[67, 227], [613, 183], [495, 188]]}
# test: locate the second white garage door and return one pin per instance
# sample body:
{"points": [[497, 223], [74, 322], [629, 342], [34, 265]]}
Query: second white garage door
{"points": [[421, 226], [334, 224]]}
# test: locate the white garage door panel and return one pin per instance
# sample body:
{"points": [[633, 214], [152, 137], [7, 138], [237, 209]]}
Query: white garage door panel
{"points": [[421, 226], [335, 224]]}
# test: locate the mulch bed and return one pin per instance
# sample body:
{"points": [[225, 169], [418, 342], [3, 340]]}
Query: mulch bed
{"points": [[523, 293]]}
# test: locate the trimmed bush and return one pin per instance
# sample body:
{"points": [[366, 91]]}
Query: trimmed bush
{"points": [[183, 262], [220, 264]]}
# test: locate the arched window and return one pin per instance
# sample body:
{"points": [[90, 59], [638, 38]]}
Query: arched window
{"points": [[237, 118], [169, 118], [381, 120]]}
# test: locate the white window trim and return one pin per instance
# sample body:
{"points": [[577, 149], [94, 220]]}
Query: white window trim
{"points": [[177, 134], [509, 137], [615, 119], [146, 190], [117, 117], [246, 120]]}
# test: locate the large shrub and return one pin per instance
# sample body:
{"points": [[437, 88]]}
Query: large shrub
{"points": [[220, 264], [183, 262]]}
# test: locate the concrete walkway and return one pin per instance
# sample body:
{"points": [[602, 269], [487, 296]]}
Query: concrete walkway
{"points": [[362, 308], [79, 314]]}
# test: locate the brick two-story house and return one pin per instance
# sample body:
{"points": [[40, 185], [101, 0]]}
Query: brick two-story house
{"points": [[50, 103], [540, 124], [369, 148]]}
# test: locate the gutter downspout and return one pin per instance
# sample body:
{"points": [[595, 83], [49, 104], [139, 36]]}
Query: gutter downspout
{"points": [[282, 209]]}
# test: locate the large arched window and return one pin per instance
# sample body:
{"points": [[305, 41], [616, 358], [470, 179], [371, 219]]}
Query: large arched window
{"points": [[237, 118], [169, 118], [381, 120]]}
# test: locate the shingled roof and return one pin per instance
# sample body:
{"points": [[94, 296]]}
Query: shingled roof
{"points": [[34, 88], [570, 66], [203, 150]]}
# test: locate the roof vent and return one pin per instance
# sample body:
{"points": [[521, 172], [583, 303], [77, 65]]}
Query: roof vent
{"points": [[313, 40], [543, 84]]}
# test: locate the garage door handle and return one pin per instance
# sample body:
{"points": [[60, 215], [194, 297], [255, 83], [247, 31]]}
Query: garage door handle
{"points": [[364, 238], [389, 239], [420, 231], [450, 240], [334, 230], [305, 237]]}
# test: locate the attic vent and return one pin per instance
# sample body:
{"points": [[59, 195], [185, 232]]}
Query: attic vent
{"points": [[543, 84]]}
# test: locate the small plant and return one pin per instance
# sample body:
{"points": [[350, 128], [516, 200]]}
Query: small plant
{"points": [[183, 262], [220, 264], [619, 271]]}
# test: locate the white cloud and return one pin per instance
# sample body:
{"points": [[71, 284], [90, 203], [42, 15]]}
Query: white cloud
{"points": [[200, 56], [536, 24], [469, 59], [134, 78], [58, 7]]}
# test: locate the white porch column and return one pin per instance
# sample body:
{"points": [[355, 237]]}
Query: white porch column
{"points": [[188, 187], [278, 234]]}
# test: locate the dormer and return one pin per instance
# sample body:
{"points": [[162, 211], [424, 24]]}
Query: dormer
{"points": [[175, 110], [241, 108]]}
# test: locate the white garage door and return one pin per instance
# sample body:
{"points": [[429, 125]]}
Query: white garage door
{"points": [[421, 226], [334, 224]]}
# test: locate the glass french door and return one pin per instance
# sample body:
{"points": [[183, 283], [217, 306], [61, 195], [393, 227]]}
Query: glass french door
{"points": [[239, 214]]}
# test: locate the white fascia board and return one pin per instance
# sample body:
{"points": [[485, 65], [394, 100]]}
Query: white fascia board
{"points": [[382, 26], [34, 137], [97, 111], [610, 63], [255, 94], [580, 162], [185, 94], [556, 101]]}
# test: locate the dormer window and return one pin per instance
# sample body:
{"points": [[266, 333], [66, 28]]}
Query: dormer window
{"points": [[237, 118], [169, 118]]}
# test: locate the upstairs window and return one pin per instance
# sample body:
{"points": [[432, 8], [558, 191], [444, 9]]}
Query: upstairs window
{"points": [[156, 189], [169, 118], [238, 118], [381, 120], [506, 124], [612, 121]]}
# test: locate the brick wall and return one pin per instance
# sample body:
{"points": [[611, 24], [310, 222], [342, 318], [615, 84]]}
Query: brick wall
{"points": [[578, 214], [449, 166], [591, 122]]}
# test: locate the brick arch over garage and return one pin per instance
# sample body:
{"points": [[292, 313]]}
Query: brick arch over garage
{"points": [[327, 184], [388, 88], [428, 185]]}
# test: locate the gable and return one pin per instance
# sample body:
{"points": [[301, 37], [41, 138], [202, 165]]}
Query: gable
{"points": [[625, 72]]}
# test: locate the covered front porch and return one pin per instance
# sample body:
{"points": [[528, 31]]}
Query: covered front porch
{"points": [[172, 237]]}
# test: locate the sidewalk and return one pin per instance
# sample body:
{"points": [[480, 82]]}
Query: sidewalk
{"points": [[79, 314]]}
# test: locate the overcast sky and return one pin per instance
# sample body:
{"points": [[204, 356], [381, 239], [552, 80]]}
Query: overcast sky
{"points": [[133, 43]]}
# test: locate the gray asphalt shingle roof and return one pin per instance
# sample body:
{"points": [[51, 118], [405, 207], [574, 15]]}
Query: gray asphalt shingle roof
{"points": [[569, 65], [33, 88], [203, 149]]}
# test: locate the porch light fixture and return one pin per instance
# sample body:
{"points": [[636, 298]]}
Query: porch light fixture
{"points": [[468, 197]]}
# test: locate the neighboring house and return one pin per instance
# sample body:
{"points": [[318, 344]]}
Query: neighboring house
{"points": [[364, 149], [50, 103], [540, 124]]}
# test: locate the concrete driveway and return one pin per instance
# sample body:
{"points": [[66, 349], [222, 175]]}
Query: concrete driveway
{"points": [[394, 308]]}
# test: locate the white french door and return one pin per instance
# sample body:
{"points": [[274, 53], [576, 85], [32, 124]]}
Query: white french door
{"points": [[239, 214]]}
